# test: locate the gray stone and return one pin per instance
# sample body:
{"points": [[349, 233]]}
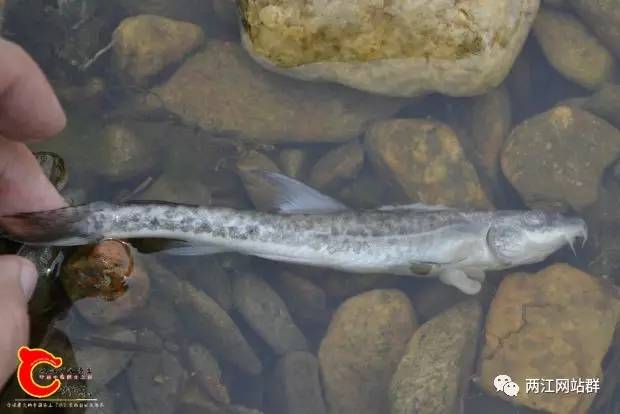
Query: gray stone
{"points": [[361, 350], [434, 373], [296, 387], [222, 91], [266, 313]]}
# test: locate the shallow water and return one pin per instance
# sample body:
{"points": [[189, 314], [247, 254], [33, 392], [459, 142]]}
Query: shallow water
{"points": [[116, 147]]}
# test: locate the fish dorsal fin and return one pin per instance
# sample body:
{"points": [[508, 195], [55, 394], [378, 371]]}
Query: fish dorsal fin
{"points": [[285, 195], [415, 206]]}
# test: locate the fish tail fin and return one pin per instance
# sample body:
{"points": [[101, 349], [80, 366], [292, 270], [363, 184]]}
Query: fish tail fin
{"points": [[68, 226]]}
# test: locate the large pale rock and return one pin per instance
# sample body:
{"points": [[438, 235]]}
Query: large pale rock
{"points": [[145, 45], [569, 148], [364, 343], [222, 91], [426, 160], [557, 323], [433, 375], [398, 48]]}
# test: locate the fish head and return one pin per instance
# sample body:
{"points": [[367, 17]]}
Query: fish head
{"points": [[518, 238]]}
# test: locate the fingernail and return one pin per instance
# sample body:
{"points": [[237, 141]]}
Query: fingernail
{"points": [[28, 277]]}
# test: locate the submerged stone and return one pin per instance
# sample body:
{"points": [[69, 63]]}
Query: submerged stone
{"points": [[570, 149], [426, 161], [572, 50], [398, 48], [361, 350], [221, 90], [557, 323]]}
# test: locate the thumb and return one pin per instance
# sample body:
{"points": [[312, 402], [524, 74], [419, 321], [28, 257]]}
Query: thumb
{"points": [[18, 278]]}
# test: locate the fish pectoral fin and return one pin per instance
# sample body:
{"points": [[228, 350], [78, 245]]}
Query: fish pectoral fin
{"points": [[421, 207], [282, 194], [182, 248], [460, 280]]}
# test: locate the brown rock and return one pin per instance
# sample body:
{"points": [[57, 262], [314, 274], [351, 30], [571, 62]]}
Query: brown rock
{"points": [[145, 45], [306, 301], [570, 149], [434, 374], [557, 323], [572, 50], [490, 125], [221, 90], [338, 165], [426, 160], [364, 343], [603, 17], [195, 11]]}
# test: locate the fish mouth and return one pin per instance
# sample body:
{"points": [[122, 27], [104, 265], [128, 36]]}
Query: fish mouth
{"points": [[580, 232]]}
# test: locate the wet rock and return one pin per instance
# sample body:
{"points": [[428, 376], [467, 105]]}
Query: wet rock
{"points": [[104, 283], [247, 102], [336, 166], [105, 364], [195, 11], [216, 329], [570, 148], [159, 315], [399, 49], [603, 17], [145, 45], [296, 388], [106, 402], [293, 162], [434, 298], [306, 300], [491, 120], [426, 161], [255, 160], [207, 274], [434, 373], [366, 191], [88, 93], [341, 285], [155, 379], [572, 50], [124, 154], [605, 103], [364, 343], [557, 323], [171, 189], [206, 370], [267, 314], [555, 3]]}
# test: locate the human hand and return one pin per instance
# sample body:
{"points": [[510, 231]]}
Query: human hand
{"points": [[29, 110]]}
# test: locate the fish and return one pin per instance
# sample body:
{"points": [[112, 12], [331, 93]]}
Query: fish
{"points": [[298, 224]]}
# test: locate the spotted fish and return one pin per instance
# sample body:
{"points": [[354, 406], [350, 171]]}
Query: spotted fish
{"points": [[300, 225]]}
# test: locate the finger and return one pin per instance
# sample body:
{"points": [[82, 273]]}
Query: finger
{"points": [[28, 107], [17, 282], [23, 186]]}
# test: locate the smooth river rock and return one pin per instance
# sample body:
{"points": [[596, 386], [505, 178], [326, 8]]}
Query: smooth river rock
{"points": [[145, 45], [426, 161], [572, 50], [361, 350], [433, 375], [221, 90], [603, 17], [570, 149], [397, 48], [557, 323]]}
